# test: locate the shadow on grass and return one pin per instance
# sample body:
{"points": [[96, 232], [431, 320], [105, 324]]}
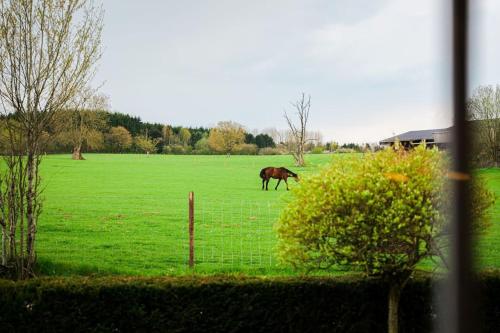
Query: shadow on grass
{"points": [[50, 268], [47, 267]]}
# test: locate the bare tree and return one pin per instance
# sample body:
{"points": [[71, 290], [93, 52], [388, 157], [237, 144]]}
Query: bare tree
{"points": [[298, 132], [316, 137], [484, 108], [48, 52]]}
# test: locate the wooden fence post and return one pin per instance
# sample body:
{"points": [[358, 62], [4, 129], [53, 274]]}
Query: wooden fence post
{"points": [[191, 229]]}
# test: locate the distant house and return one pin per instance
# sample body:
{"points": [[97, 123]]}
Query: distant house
{"points": [[439, 137]]}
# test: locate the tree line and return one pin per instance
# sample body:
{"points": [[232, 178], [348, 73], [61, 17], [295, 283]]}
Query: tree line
{"points": [[93, 129]]}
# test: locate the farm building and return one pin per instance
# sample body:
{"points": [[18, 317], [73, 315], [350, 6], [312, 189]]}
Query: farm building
{"points": [[440, 137]]}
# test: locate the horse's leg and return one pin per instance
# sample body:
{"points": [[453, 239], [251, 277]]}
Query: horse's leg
{"points": [[286, 184], [267, 183], [263, 180], [279, 180]]}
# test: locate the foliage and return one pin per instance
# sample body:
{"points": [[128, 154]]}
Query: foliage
{"points": [[80, 128], [270, 151], [164, 135], [153, 130], [249, 138], [197, 133], [201, 304], [133, 124], [352, 147], [177, 149], [119, 139], [202, 147], [382, 214], [11, 137], [332, 146], [145, 144], [264, 141], [483, 108], [245, 149], [225, 136], [318, 150], [184, 136]]}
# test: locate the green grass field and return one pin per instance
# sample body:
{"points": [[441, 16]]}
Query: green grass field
{"points": [[128, 214]]}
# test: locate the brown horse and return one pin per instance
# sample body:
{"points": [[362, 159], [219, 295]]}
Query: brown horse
{"points": [[277, 173]]}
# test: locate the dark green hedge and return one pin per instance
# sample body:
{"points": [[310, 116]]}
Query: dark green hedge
{"points": [[219, 304]]}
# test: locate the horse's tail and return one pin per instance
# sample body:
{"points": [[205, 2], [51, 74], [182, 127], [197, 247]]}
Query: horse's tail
{"points": [[263, 173], [291, 173]]}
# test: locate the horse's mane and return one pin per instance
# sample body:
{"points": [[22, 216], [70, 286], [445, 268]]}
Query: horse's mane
{"points": [[290, 172]]}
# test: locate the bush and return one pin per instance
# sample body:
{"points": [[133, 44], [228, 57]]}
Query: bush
{"points": [[201, 147], [177, 149], [245, 149], [345, 150], [224, 304], [317, 150], [208, 304], [381, 214], [270, 151]]}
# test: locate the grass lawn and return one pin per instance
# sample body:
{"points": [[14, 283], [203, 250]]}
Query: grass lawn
{"points": [[128, 214], [489, 243]]}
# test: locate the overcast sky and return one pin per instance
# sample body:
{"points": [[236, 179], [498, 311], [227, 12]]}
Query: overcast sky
{"points": [[373, 68]]}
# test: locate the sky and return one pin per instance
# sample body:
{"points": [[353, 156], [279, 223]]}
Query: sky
{"points": [[373, 68]]}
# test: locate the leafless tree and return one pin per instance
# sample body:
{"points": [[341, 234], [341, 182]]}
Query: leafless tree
{"points": [[48, 52], [299, 131], [316, 137], [484, 109]]}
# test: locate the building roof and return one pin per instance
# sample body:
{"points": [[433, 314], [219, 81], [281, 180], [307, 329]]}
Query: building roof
{"points": [[427, 135]]}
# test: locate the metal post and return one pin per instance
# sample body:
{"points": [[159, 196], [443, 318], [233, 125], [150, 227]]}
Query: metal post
{"points": [[191, 229]]}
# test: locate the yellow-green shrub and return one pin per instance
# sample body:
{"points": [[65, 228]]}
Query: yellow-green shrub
{"points": [[382, 214]]}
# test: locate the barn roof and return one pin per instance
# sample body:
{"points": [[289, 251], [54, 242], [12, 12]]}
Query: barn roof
{"points": [[428, 135]]}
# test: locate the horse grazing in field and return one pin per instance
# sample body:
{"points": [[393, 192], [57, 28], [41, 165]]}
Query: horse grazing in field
{"points": [[277, 173]]}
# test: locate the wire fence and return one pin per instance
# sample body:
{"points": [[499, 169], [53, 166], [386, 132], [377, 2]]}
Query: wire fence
{"points": [[229, 234], [235, 233]]}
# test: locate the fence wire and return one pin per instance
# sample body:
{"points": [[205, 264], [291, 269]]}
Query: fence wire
{"points": [[143, 240], [235, 233]]}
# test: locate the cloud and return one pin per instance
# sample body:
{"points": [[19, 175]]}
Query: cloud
{"points": [[399, 38], [380, 63], [484, 46]]}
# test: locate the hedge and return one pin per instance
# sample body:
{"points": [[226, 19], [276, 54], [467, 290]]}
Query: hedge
{"points": [[222, 304]]}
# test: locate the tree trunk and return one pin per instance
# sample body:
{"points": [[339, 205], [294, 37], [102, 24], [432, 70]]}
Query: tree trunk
{"points": [[394, 296], [4, 245], [13, 209], [30, 214], [77, 153], [299, 157]]}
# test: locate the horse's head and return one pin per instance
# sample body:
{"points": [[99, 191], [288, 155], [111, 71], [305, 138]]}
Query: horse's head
{"points": [[296, 177]]}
